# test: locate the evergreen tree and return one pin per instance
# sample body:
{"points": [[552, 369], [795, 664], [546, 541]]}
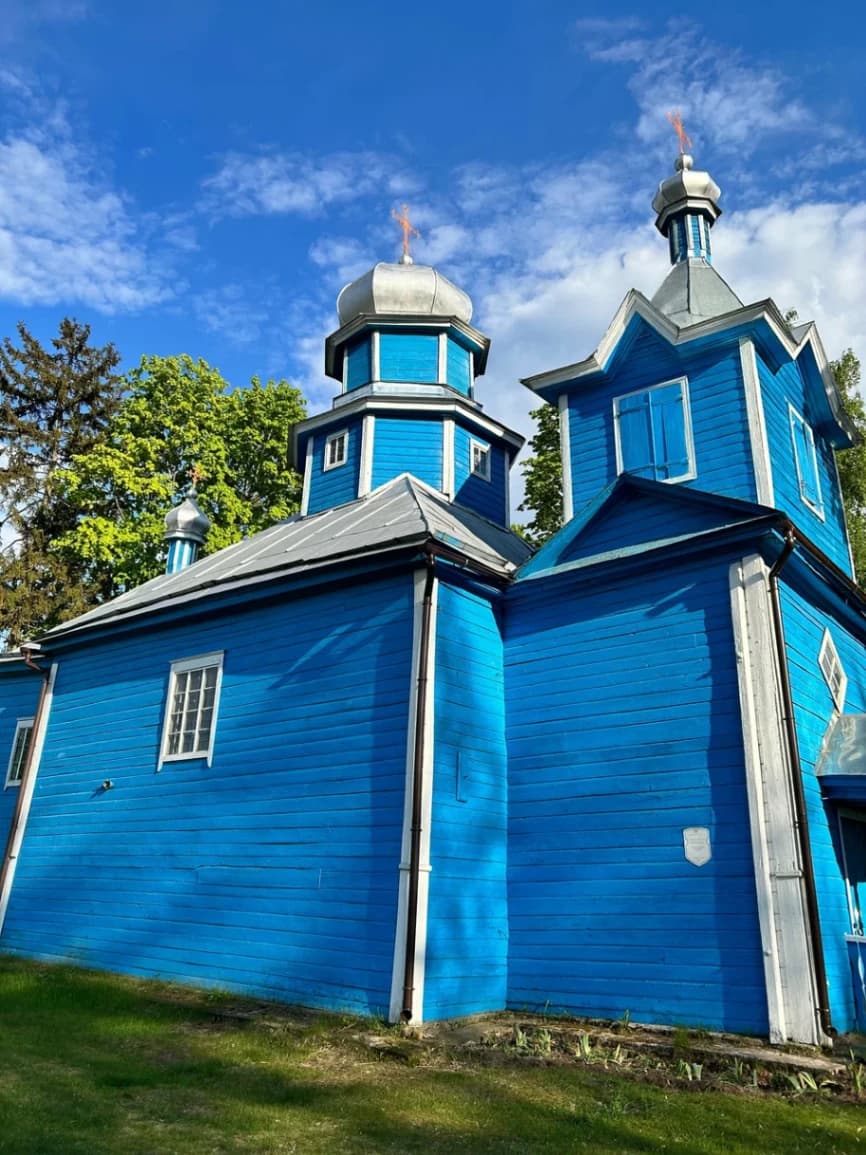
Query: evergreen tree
{"points": [[55, 404], [852, 462]]}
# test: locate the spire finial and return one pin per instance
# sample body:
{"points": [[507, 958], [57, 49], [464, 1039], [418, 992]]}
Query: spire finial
{"points": [[676, 119], [409, 230]]}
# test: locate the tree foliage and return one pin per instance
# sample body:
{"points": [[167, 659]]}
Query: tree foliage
{"points": [[852, 462], [178, 414], [55, 404], [543, 475]]}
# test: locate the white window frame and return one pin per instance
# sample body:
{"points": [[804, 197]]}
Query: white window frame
{"points": [[683, 382], [794, 415], [330, 440], [21, 724], [484, 461], [183, 666], [828, 659]]}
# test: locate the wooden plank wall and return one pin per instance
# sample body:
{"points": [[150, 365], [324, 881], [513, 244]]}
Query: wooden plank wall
{"points": [[777, 390], [813, 709], [407, 445], [19, 697], [718, 410], [623, 729], [457, 368], [275, 870], [489, 498], [467, 918], [330, 487]]}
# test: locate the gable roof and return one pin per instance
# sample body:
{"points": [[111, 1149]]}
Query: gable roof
{"points": [[402, 514], [611, 527], [762, 320]]}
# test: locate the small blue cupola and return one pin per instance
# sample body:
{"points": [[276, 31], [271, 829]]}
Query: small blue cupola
{"points": [[406, 356], [186, 527]]}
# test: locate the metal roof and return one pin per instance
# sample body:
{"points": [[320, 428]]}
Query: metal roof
{"points": [[405, 512], [693, 291]]}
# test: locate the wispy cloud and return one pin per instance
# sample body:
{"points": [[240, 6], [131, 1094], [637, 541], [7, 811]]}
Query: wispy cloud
{"points": [[65, 234], [20, 17], [249, 184]]}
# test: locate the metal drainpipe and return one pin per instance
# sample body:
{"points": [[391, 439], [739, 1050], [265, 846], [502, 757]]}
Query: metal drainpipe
{"points": [[800, 814], [417, 792], [28, 763]]}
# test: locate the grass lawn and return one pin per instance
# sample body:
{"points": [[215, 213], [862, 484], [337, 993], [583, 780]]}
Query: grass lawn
{"points": [[92, 1063]]}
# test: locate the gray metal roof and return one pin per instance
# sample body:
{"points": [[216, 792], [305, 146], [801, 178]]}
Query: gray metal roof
{"points": [[403, 513], [693, 291]]}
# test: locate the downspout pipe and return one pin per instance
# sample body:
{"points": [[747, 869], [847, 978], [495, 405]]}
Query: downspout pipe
{"points": [[26, 771], [799, 796], [417, 789]]}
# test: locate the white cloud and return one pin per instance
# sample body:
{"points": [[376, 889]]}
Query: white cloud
{"points": [[248, 184], [228, 311], [65, 234]]}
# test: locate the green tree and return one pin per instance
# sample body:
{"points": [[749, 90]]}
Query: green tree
{"points": [[543, 475], [178, 414], [55, 404], [852, 462]]}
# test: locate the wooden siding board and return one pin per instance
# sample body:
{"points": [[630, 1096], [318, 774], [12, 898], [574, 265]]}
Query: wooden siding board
{"points": [[410, 357], [407, 445], [19, 697], [457, 368], [274, 871], [596, 855], [813, 709], [469, 826], [778, 390], [718, 412], [332, 487], [489, 498]]}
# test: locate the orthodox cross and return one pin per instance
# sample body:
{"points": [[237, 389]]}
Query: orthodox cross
{"points": [[195, 476], [409, 230], [677, 122]]}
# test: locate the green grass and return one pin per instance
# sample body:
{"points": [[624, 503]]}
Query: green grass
{"points": [[92, 1063]]}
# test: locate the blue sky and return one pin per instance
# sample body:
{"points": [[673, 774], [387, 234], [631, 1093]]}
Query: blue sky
{"points": [[203, 177]]}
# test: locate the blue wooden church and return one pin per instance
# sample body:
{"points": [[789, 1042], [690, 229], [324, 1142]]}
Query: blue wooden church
{"points": [[378, 757]]}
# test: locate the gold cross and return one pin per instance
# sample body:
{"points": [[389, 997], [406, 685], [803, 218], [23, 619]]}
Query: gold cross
{"points": [[677, 122], [402, 219], [195, 476]]}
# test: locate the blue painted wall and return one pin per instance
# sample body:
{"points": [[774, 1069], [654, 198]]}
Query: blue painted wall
{"points": [[813, 709], [777, 390], [408, 356], [359, 364], [275, 870], [457, 368], [407, 445], [330, 487], [623, 728], [467, 918], [718, 410], [489, 498], [19, 697]]}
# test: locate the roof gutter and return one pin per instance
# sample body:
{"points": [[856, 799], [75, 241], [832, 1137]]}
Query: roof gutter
{"points": [[799, 798]]}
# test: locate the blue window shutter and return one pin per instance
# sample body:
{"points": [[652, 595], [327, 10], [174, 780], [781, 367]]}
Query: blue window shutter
{"points": [[670, 445], [636, 435]]}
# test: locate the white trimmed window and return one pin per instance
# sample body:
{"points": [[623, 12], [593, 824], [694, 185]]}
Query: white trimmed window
{"points": [[808, 480], [653, 432], [336, 449], [18, 756], [831, 668], [479, 459], [191, 709]]}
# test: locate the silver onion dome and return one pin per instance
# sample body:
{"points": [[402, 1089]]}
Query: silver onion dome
{"points": [[686, 190], [403, 288], [187, 521]]}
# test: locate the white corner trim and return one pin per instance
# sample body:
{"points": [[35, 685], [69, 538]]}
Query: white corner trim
{"points": [[788, 970], [442, 359], [396, 1003], [565, 454], [308, 475], [757, 424], [25, 799], [448, 458], [375, 357], [365, 471]]}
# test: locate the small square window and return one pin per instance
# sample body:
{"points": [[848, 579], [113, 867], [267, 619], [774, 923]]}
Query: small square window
{"points": [[806, 460], [831, 668], [480, 459], [20, 747], [191, 708], [653, 432], [336, 449]]}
